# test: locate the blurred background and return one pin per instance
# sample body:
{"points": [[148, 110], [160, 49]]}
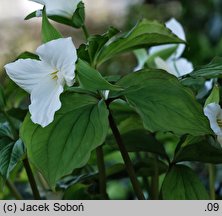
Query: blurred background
{"points": [[17, 35], [201, 19]]}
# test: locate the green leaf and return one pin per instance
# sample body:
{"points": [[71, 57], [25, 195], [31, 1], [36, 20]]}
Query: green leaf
{"points": [[89, 51], [62, 20], [139, 141], [163, 103], [149, 166], [131, 123], [195, 83], [78, 128], [10, 154], [121, 111], [17, 113], [96, 43], [214, 96], [28, 55], [78, 18], [143, 168], [31, 15], [49, 32], [199, 149], [77, 192], [5, 130], [91, 79], [144, 34], [181, 183], [211, 70]]}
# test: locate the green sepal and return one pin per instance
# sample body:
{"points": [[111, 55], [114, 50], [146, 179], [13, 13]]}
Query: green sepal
{"points": [[31, 15], [214, 96], [49, 32], [78, 18]]}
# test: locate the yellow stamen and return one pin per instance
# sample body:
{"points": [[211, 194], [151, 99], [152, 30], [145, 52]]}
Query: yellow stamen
{"points": [[219, 122], [54, 75]]}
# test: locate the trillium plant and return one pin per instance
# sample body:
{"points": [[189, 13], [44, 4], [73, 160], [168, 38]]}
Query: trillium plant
{"points": [[79, 134]]}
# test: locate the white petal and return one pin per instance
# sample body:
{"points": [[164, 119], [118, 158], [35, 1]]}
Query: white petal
{"points": [[207, 87], [177, 29], [209, 84], [60, 54], [214, 112], [180, 67], [105, 94], [45, 101], [64, 8], [161, 64], [177, 68], [142, 57], [27, 73]]}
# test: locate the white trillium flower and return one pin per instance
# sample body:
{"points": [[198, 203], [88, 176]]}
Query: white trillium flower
{"points": [[45, 79], [213, 112], [174, 64], [177, 29], [64, 8]]}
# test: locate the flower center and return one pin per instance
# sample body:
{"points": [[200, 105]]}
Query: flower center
{"points": [[219, 122], [54, 75]]}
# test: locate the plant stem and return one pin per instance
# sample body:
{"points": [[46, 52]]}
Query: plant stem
{"points": [[155, 181], [42, 181], [25, 163], [13, 190], [85, 31], [31, 178], [146, 185], [126, 158], [211, 170], [102, 172]]}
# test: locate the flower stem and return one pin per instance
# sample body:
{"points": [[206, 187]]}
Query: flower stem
{"points": [[85, 31], [211, 171], [31, 178], [102, 172], [25, 163], [155, 181], [13, 190], [126, 158]]}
